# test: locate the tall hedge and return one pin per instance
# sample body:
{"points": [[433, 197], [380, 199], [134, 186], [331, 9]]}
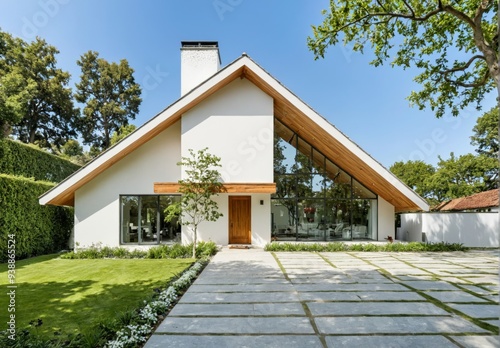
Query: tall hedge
{"points": [[38, 229], [31, 162]]}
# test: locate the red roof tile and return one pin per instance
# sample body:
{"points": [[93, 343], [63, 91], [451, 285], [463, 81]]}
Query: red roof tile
{"points": [[480, 200]]}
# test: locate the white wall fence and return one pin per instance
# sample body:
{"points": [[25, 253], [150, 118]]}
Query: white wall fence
{"points": [[470, 229]]}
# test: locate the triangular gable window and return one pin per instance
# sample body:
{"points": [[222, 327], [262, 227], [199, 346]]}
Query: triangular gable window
{"points": [[315, 198]]}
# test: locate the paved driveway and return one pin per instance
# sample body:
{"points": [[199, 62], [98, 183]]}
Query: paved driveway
{"points": [[252, 298]]}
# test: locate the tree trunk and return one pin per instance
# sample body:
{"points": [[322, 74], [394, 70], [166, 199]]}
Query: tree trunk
{"points": [[194, 242]]}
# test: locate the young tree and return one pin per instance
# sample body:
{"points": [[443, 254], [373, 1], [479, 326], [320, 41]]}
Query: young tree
{"points": [[111, 97], [34, 97], [201, 183], [455, 43]]}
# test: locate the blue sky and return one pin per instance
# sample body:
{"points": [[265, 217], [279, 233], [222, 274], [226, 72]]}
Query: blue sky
{"points": [[366, 103]]}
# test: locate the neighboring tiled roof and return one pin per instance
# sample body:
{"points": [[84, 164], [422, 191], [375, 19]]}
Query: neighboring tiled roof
{"points": [[480, 200]]}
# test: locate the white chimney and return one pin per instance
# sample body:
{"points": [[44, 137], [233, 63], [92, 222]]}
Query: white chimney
{"points": [[199, 61]]}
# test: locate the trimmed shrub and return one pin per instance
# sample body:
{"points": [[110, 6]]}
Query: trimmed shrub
{"points": [[339, 246], [31, 162], [38, 229], [165, 251]]}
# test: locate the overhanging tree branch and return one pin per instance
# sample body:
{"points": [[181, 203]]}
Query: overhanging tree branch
{"points": [[463, 67]]}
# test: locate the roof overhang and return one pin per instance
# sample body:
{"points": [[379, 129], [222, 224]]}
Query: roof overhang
{"points": [[288, 108]]}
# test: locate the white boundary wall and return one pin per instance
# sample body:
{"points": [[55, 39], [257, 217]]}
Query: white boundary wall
{"points": [[470, 229]]}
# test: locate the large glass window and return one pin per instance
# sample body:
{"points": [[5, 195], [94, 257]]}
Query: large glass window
{"points": [[315, 199], [143, 220]]}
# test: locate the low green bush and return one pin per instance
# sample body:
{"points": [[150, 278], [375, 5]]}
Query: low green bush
{"points": [[35, 229], [342, 247], [165, 251]]}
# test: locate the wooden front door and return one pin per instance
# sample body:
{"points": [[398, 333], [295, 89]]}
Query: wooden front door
{"points": [[239, 220]]}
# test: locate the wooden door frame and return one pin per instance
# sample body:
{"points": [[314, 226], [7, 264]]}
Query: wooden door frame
{"points": [[249, 199]]}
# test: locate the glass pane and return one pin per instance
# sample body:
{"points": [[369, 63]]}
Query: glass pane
{"points": [[284, 156], [338, 218], [130, 219], [285, 186], [317, 181], [311, 220], [359, 191], [318, 162], [169, 231], [284, 219], [361, 219], [149, 219], [304, 157], [303, 186]]}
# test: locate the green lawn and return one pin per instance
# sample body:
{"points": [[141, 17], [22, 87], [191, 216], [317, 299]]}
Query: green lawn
{"points": [[71, 295]]}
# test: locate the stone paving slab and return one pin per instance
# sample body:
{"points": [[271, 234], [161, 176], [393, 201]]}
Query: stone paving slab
{"points": [[389, 341], [454, 296], [478, 290], [315, 280], [240, 280], [478, 341], [430, 285], [241, 287], [350, 287], [268, 341], [248, 325], [405, 278], [237, 309], [478, 310], [240, 297], [374, 308], [391, 325], [490, 279], [329, 296]]}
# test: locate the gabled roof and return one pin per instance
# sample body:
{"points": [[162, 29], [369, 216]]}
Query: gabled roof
{"points": [[482, 200], [288, 108]]}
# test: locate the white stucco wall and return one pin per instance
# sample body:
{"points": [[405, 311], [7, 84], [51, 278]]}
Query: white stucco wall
{"points": [[470, 229], [386, 222], [97, 206], [235, 124]]}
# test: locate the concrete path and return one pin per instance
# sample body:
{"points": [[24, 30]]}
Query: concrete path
{"points": [[252, 298]]}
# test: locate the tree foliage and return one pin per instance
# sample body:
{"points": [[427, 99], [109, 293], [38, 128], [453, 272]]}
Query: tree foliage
{"points": [[111, 97], [485, 135], [454, 43], [122, 133], [13, 90], [201, 183], [457, 176], [34, 95], [415, 174]]}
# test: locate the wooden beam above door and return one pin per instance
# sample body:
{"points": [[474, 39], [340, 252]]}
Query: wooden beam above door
{"points": [[173, 187]]}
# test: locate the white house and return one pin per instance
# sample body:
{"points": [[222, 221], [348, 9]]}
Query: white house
{"points": [[289, 174]]}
